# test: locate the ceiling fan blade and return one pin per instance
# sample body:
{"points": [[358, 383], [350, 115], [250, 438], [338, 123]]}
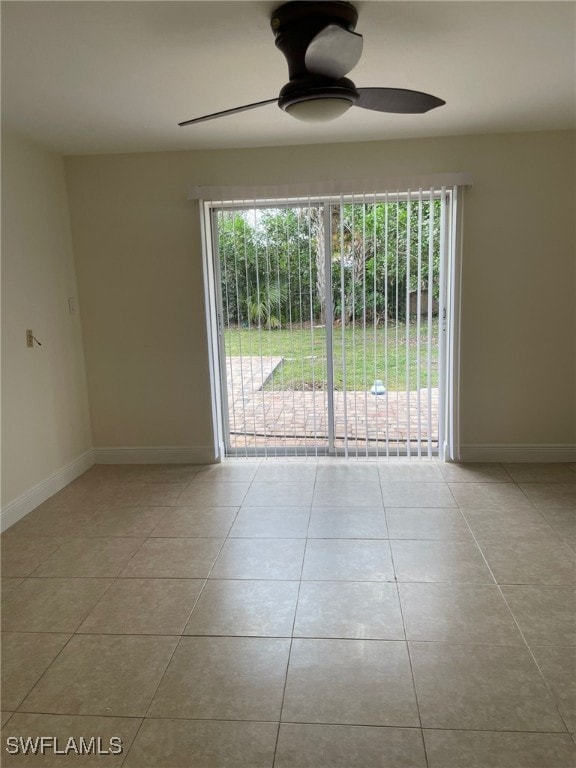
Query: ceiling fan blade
{"points": [[333, 52], [398, 100], [228, 112]]}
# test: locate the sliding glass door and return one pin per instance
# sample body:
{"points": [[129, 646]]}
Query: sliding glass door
{"points": [[330, 321]]}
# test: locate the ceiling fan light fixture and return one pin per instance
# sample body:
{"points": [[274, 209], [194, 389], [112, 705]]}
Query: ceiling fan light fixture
{"points": [[316, 100], [318, 110]]}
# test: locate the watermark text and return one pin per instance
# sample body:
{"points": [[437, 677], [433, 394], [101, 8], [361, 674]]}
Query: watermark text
{"points": [[82, 745]]}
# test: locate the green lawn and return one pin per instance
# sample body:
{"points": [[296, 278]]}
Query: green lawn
{"points": [[304, 352]]}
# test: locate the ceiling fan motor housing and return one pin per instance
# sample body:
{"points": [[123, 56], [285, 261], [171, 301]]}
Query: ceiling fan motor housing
{"points": [[297, 23]]}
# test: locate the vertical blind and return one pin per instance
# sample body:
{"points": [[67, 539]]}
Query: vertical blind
{"points": [[331, 313]]}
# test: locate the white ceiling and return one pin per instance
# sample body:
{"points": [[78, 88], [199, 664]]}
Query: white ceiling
{"points": [[100, 77]]}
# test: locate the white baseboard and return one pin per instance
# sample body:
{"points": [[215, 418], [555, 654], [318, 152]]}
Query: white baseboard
{"points": [[193, 454], [518, 453], [28, 501]]}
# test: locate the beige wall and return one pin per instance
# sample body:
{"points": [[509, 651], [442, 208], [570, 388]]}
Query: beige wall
{"points": [[138, 258], [45, 420]]}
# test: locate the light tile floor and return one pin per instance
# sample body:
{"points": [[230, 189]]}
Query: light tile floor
{"points": [[297, 614]]}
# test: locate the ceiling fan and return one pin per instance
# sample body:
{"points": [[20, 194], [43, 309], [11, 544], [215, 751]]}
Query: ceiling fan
{"points": [[320, 45]]}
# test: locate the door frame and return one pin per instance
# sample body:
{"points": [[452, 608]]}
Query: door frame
{"points": [[449, 311]]}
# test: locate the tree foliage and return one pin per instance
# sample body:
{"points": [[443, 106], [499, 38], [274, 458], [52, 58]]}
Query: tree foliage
{"points": [[273, 269]]}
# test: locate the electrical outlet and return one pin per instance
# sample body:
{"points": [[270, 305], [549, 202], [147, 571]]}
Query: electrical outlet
{"points": [[29, 339]]}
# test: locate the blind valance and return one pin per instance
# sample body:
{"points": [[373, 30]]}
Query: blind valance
{"points": [[309, 189]]}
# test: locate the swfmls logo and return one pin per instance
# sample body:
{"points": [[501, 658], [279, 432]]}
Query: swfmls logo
{"points": [[43, 745]]}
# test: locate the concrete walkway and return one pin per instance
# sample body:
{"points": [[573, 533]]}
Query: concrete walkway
{"points": [[288, 418]]}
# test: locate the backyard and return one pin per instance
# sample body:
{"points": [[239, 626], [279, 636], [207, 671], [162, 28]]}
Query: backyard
{"points": [[380, 353]]}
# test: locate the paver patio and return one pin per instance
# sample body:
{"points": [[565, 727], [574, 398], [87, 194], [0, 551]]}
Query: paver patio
{"points": [[261, 418]]}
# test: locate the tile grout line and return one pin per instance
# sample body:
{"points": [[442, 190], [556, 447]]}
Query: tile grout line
{"points": [[177, 645], [293, 627], [297, 722], [408, 650], [503, 596], [116, 578], [37, 681], [519, 644], [76, 633], [72, 634]]}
